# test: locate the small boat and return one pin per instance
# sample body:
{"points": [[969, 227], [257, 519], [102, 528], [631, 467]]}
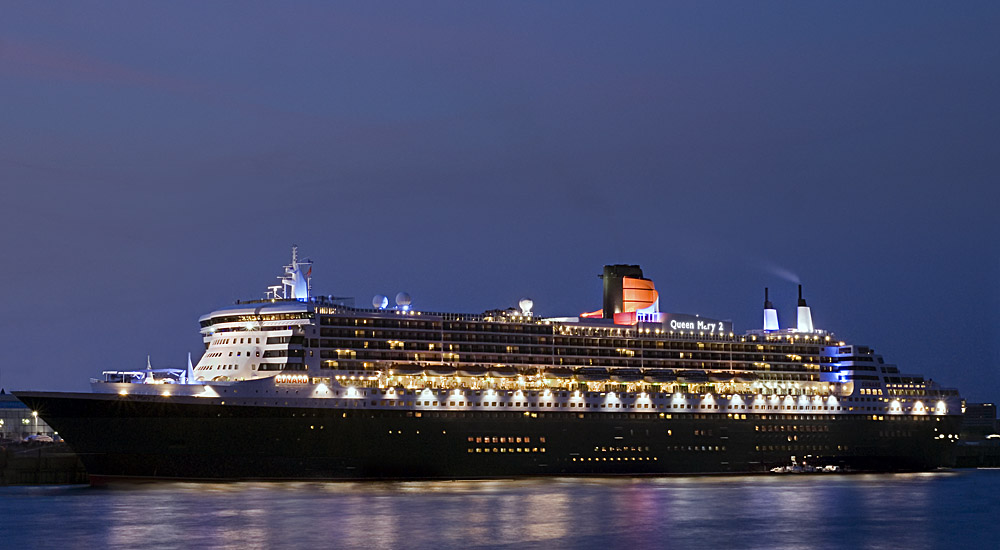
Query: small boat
{"points": [[406, 369], [626, 374], [557, 372], [720, 377], [592, 373], [472, 370], [692, 376], [503, 372], [745, 377], [794, 468], [659, 376], [441, 370]]}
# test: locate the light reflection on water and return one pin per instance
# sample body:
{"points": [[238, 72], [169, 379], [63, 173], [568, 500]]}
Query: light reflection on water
{"points": [[914, 512]]}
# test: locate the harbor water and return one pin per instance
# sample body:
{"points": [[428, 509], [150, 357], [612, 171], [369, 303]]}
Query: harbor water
{"points": [[956, 509]]}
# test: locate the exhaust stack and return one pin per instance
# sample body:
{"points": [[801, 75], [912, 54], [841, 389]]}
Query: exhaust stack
{"points": [[770, 314], [805, 315]]}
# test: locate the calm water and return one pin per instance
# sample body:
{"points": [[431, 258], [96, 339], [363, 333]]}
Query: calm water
{"points": [[898, 512]]}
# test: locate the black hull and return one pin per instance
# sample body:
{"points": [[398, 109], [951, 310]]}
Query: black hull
{"points": [[193, 439]]}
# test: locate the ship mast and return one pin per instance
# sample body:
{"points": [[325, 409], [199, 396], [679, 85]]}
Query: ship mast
{"points": [[296, 284]]}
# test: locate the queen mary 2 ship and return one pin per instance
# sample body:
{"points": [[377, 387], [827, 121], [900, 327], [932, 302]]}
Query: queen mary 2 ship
{"points": [[297, 386]]}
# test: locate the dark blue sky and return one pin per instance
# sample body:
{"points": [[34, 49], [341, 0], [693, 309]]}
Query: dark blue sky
{"points": [[158, 160]]}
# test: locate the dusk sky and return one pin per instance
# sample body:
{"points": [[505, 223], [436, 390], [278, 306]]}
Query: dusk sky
{"points": [[158, 160]]}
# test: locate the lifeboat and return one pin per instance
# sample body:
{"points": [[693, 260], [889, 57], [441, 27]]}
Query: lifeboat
{"points": [[626, 375], [503, 372], [692, 376], [472, 370], [720, 377], [659, 376], [441, 370], [746, 377], [406, 369], [592, 373], [558, 372]]}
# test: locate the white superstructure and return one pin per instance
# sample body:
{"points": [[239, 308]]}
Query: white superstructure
{"points": [[330, 349]]}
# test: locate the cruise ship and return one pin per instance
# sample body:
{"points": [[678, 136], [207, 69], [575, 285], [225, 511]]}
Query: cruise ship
{"points": [[303, 386]]}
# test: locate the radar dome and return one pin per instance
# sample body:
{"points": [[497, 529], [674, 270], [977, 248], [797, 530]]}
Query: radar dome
{"points": [[380, 302], [402, 299], [526, 304]]}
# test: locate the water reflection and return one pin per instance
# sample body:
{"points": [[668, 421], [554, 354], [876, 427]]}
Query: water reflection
{"points": [[783, 512]]}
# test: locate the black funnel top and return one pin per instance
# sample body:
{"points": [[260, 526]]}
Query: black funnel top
{"points": [[767, 302], [614, 277], [802, 302]]}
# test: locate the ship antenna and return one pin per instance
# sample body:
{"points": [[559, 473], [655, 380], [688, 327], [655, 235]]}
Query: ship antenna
{"points": [[295, 284]]}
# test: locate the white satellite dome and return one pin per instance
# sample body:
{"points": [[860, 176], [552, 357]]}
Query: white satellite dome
{"points": [[402, 299], [526, 304], [380, 302]]}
